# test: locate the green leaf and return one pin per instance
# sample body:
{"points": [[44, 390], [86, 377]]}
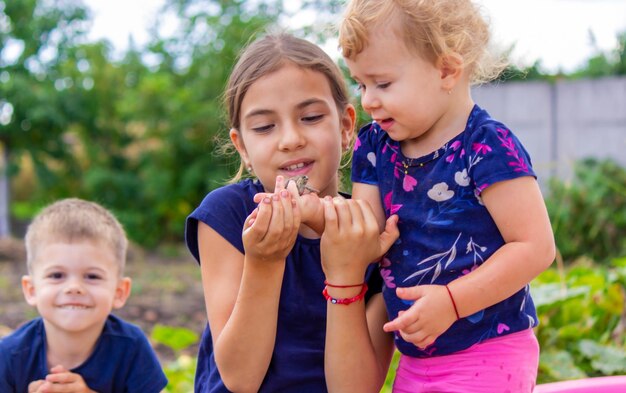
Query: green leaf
{"points": [[606, 359], [177, 338], [550, 295], [559, 365]]}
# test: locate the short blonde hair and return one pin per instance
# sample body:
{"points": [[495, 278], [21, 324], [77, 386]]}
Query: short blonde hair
{"points": [[433, 29], [74, 219]]}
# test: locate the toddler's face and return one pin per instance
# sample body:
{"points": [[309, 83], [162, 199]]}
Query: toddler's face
{"points": [[400, 90], [75, 285]]}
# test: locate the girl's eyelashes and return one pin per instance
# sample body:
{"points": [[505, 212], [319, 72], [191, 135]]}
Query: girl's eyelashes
{"points": [[263, 128], [93, 276], [312, 118], [360, 88]]}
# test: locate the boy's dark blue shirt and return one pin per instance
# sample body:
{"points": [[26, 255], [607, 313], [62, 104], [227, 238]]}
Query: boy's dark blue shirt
{"points": [[122, 361]]}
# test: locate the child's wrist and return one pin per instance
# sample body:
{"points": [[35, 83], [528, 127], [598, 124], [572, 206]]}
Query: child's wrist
{"points": [[345, 295]]}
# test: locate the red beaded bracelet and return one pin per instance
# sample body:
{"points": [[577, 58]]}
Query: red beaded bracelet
{"points": [[341, 286], [345, 301], [453, 303]]}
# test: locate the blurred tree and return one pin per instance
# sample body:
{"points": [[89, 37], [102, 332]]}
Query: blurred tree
{"points": [[176, 110], [605, 63], [34, 40]]}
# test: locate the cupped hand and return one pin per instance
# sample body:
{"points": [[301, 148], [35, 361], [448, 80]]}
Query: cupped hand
{"points": [[271, 229]]}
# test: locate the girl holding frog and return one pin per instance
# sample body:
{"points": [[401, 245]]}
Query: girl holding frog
{"points": [[268, 323]]}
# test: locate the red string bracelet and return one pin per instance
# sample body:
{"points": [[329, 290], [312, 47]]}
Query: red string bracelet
{"points": [[453, 303], [341, 286], [345, 301]]}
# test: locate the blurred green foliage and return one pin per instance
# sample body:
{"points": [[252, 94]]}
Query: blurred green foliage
{"points": [[181, 371], [588, 213], [582, 319], [139, 132]]}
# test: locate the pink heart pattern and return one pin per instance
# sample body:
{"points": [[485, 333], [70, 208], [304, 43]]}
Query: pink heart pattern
{"points": [[409, 183]]}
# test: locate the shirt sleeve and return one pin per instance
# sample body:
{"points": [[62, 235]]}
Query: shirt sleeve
{"points": [[224, 210], [364, 155], [146, 375], [494, 154]]}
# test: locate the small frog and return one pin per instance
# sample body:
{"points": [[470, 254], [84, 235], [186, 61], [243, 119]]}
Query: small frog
{"points": [[301, 184]]}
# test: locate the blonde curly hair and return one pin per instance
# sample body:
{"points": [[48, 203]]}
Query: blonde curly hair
{"points": [[434, 29]]}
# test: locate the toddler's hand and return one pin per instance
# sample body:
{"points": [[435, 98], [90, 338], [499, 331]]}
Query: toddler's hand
{"points": [[430, 315]]}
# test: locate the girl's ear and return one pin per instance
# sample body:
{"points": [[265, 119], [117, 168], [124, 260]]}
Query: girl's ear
{"points": [[235, 137], [348, 121], [122, 292], [451, 69], [28, 288]]}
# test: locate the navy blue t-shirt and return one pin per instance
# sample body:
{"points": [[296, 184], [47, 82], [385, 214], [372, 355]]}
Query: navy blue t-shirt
{"points": [[445, 230], [297, 363], [122, 361]]}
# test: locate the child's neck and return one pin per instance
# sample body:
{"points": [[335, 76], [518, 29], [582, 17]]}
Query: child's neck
{"points": [[451, 124], [69, 349]]}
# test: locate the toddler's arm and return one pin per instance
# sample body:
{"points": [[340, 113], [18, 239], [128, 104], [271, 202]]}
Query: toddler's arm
{"points": [[518, 209]]}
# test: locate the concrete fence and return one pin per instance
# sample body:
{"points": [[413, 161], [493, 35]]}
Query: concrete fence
{"points": [[563, 122]]}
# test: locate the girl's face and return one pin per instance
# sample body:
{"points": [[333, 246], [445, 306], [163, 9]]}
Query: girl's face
{"points": [[290, 125]]}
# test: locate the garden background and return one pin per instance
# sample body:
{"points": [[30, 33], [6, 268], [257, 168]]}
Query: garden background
{"points": [[139, 134]]}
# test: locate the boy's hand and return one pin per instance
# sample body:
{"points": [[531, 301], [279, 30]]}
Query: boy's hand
{"points": [[60, 380], [431, 314], [34, 386], [352, 239]]}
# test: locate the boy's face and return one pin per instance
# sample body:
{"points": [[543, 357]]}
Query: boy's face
{"points": [[75, 285], [402, 91]]}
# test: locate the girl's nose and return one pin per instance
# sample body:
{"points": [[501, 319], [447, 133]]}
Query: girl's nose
{"points": [[291, 137], [369, 100]]}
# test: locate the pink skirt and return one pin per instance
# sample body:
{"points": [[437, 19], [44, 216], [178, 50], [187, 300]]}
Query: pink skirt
{"points": [[506, 364]]}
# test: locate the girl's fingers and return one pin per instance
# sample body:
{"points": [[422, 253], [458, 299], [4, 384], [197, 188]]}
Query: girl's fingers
{"points": [[280, 184], [251, 218], [330, 216], [369, 219], [277, 220], [356, 213], [257, 198], [344, 215], [288, 211], [259, 223]]}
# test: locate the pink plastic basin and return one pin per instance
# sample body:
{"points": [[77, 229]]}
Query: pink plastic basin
{"points": [[616, 384]]}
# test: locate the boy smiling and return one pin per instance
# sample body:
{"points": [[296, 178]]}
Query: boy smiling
{"points": [[76, 252]]}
